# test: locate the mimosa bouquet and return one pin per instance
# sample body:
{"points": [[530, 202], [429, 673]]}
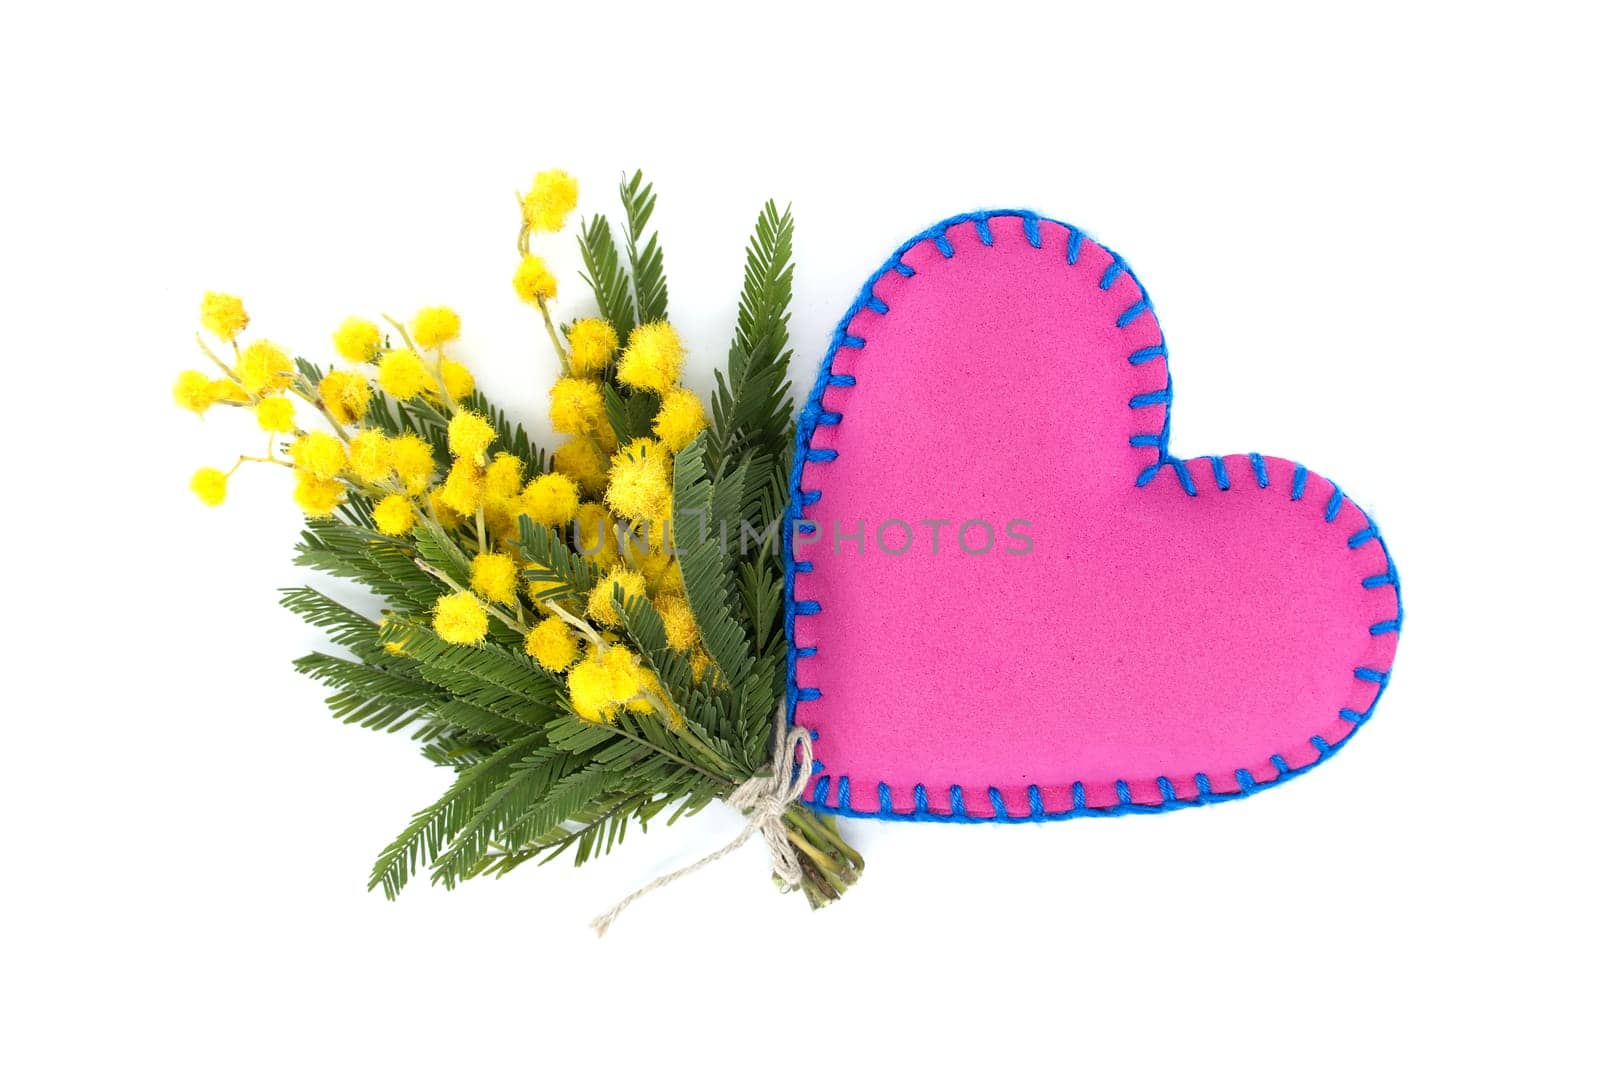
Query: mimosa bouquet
{"points": [[584, 639]]}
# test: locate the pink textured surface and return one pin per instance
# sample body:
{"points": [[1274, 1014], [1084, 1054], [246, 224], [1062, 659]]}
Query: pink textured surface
{"points": [[1149, 634]]}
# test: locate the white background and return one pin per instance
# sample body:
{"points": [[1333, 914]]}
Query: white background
{"points": [[1370, 236]]}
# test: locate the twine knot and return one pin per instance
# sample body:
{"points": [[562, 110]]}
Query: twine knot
{"points": [[764, 800]]}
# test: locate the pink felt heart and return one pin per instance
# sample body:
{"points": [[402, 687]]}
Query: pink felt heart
{"points": [[1102, 628]]}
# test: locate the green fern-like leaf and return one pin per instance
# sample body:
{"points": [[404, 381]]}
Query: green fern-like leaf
{"points": [[368, 696], [705, 568], [604, 275], [547, 559], [344, 626], [751, 407], [630, 413], [645, 263], [443, 554], [496, 679], [431, 829], [524, 790], [386, 565]]}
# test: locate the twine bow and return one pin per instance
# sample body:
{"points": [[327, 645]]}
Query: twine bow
{"points": [[763, 800]]}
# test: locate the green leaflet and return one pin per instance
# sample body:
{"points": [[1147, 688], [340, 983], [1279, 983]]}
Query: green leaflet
{"points": [[646, 264], [704, 565], [751, 408], [423, 839], [605, 277], [368, 696], [499, 680], [548, 559], [631, 415]]}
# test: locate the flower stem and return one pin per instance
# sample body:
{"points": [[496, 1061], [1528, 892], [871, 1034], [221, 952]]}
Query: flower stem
{"points": [[555, 337], [830, 865]]}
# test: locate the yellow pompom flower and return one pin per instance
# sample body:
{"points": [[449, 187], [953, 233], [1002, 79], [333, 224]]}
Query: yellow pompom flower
{"points": [[345, 395], [503, 476], [601, 608], [653, 359], [403, 374], [223, 315], [554, 196], [641, 482], [604, 682], [593, 343], [443, 513], [319, 454], [412, 458], [533, 281], [500, 519], [357, 339], [596, 535], [459, 618], [458, 380], [679, 622], [434, 326], [370, 457], [462, 490], [275, 414], [576, 405], [553, 644], [226, 390], [582, 461], [550, 499], [262, 367], [395, 515], [589, 689], [193, 391], [211, 485], [494, 576], [470, 436], [645, 685], [681, 418], [317, 496]]}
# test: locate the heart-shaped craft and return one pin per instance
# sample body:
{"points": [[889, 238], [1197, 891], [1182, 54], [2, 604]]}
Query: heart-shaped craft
{"points": [[1006, 601]]}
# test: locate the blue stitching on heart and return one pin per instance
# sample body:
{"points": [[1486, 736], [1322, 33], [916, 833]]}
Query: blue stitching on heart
{"points": [[1074, 245], [1131, 315], [1333, 503], [1259, 464], [814, 414]]}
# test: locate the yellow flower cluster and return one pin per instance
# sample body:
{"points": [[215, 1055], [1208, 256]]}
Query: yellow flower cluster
{"points": [[357, 340], [611, 503], [460, 618], [611, 679], [533, 281], [554, 196], [222, 315], [553, 644]]}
